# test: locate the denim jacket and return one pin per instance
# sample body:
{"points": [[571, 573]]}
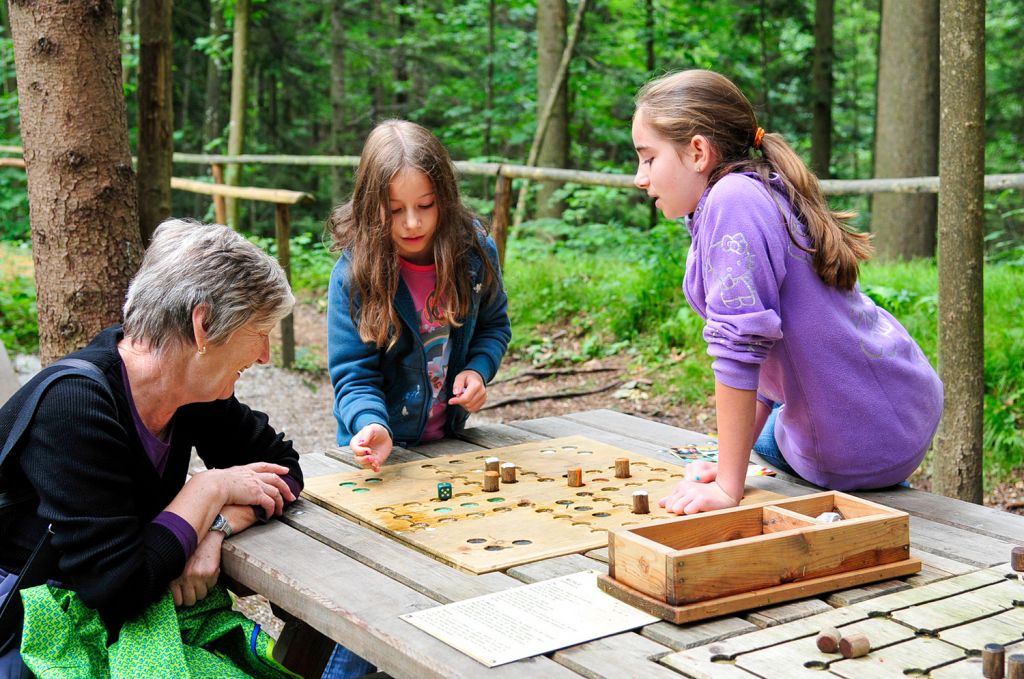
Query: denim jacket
{"points": [[391, 386]]}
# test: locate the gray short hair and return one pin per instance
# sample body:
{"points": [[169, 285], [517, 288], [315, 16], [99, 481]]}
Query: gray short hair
{"points": [[189, 264]]}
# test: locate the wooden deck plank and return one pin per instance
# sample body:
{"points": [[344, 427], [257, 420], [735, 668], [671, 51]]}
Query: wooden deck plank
{"points": [[935, 591], [970, 668], [848, 597], [958, 544], [344, 599], [915, 657], [639, 428], [1002, 628], [446, 446], [801, 657], [960, 609]]}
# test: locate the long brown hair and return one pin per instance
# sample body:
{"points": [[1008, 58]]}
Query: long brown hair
{"points": [[362, 227], [681, 105]]}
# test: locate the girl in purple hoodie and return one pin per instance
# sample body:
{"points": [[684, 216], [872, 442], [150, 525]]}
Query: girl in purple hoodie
{"points": [[823, 383]]}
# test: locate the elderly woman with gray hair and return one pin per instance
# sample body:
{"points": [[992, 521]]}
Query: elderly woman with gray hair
{"points": [[108, 458]]}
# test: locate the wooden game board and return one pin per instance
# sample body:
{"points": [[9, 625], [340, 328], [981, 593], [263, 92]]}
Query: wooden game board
{"points": [[537, 517]]}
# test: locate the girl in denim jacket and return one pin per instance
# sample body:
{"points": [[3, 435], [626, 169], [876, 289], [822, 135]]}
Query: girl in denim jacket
{"points": [[417, 314]]}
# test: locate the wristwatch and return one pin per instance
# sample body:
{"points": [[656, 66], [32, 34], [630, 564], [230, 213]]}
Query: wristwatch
{"points": [[221, 524]]}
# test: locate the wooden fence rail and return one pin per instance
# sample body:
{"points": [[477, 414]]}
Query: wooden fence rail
{"points": [[281, 198]]}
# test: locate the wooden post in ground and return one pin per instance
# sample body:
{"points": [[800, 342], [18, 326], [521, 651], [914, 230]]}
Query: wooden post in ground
{"points": [[502, 207], [220, 211], [282, 227]]}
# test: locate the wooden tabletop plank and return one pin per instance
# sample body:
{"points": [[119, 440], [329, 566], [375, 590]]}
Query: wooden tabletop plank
{"points": [[498, 435], [623, 655], [344, 599], [681, 637], [386, 555], [639, 428], [398, 454], [555, 568], [914, 657], [1002, 628], [319, 464], [959, 544]]}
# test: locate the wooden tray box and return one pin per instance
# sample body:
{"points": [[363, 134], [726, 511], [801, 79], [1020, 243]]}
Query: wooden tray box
{"points": [[756, 554]]}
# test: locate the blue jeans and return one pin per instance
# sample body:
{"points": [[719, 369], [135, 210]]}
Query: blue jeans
{"points": [[344, 664], [767, 447]]}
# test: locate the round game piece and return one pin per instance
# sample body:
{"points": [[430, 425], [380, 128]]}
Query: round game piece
{"points": [[854, 645], [490, 482], [992, 658], [622, 468], [828, 640], [640, 505], [1017, 559], [508, 472], [491, 464], [1015, 666]]}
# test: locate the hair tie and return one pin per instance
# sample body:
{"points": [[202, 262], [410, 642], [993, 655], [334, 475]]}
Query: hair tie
{"points": [[758, 136]]}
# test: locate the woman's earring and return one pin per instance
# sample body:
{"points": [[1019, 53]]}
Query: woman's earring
{"points": [[202, 350]]}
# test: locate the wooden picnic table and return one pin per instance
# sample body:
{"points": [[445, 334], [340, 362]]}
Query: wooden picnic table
{"points": [[351, 584]]}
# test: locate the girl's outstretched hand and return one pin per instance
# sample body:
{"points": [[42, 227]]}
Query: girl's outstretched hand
{"points": [[469, 391], [689, 498], [371, 446], [701, 471]]}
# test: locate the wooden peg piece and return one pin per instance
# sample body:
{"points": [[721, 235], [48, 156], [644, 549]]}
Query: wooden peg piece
{"points": [[491, 464], [508, 472], [622, 468], [854, 645], [828, 640], [1017, 559], [992, 661], [640, 505], [490, 482], [1015, 666], [575, 477]]}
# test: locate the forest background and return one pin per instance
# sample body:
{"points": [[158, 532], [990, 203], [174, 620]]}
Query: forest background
{"points": [[593, 273]]}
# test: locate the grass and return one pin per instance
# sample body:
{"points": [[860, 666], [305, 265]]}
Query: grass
{"points": [[612, 290]]}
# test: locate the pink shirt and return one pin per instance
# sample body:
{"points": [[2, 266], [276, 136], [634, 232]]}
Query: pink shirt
{"points": [[422, 282]]}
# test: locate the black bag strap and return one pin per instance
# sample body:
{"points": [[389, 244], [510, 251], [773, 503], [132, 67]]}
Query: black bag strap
{"points": [[43, 560]]}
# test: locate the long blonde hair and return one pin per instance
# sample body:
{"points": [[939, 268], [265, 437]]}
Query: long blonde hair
{"points": [[681, 105], [362, 227]]}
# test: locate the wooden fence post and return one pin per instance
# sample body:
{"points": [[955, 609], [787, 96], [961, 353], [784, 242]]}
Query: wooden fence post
{"points": [[219, 209], [282, 227], [502, 206]]}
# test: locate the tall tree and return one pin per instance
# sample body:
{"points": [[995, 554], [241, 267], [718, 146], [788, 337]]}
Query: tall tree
{"points": [[907, 126], [83, 208], [212, 125], [236, 131], [156, 115], [957, 468], [337, 96], [821, 87], [554, 149]]}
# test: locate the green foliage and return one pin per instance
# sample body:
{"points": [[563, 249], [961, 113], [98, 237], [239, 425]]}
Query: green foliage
{"points": [[19, 328], [311, 262]]}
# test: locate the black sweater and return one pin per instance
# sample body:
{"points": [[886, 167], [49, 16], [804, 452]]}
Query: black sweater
{"points": [[99, 490]]}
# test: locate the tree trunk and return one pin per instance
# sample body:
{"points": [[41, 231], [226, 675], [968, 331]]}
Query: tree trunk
{"points": [[212, 125], [907, 126], [403, 30], [82, 200], [489, 85], [236, 128], [957, 470], [821, 75], [377, 36], [554, 149], [156, 117], [337, 97]]}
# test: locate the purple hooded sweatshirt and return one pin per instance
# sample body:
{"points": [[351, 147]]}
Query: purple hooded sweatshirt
{"points": [[862, 403]]}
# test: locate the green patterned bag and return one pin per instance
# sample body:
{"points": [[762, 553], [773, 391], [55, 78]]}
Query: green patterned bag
{"points": [[62, 637]]}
